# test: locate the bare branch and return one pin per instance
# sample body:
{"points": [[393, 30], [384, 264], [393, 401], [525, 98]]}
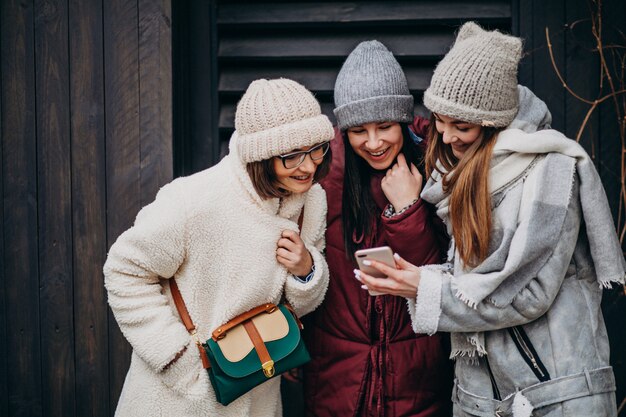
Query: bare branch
{"points": [[558, 73]]}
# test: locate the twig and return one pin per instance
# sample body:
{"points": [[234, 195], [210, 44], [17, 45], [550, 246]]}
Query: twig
{"points": [[585, 120], [621, 406], [558, 73]]}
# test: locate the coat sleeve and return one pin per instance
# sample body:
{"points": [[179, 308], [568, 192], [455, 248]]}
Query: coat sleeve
{"points": [[153, 247], [420, 126], [417, 234], [541, 267], [306, 297]]}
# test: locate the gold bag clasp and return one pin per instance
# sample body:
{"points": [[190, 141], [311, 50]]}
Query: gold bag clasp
{"points": [[268, 369]]}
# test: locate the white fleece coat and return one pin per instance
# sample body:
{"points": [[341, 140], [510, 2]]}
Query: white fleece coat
{"points": [[213, 233]]}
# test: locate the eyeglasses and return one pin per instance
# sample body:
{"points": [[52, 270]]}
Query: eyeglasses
{"points": [[295, 159]]}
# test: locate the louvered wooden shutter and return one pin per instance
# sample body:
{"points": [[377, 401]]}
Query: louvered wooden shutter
{"points": [[308, 42]]}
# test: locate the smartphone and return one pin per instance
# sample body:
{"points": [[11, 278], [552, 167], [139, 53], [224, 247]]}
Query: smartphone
{"points": [[382, 254]]}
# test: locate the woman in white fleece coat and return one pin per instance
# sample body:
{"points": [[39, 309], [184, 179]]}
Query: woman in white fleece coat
{"points": [[229, 236]]}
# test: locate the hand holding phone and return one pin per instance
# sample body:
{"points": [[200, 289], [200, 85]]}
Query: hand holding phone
{"points": [[382, 254]]}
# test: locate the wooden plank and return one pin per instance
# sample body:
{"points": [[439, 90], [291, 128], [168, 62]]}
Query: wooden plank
{"points": [[196, 143], [609, 144], [582, 72], [361, 12], [88, 207], [54, 201], [235, 80], [4, 388], [19, 167], [523, 16], [155, 96], [123, 156], [327, 45], [181, 57], [204, 100], [546, 84]]}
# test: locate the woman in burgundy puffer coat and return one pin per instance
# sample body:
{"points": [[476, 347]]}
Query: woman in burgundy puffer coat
{"points": [[366, 359]]}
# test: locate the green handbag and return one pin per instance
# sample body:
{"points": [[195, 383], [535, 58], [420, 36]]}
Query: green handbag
{"points": [[250, 349]]}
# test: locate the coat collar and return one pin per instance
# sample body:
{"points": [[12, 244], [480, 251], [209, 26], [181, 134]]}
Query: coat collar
{"points": [[288, 207]]}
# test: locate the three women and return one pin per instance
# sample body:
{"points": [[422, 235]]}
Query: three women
{"points": [[532, 243]]}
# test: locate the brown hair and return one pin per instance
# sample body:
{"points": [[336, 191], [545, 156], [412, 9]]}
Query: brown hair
{"points": [[467, 182], [263, 176]]}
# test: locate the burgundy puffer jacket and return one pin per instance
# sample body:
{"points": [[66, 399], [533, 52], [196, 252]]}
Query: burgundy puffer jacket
{"points": [[366, 359]]}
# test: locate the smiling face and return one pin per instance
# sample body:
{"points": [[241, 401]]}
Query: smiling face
{"points": [[300, 178], [459, 135], [377, 143]]}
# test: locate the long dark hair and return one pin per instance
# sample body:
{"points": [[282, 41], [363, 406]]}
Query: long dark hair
{"points": [[358, 208]]}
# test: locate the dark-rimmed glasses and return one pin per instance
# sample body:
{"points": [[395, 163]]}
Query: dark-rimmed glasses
{"points": [[295, 159]]}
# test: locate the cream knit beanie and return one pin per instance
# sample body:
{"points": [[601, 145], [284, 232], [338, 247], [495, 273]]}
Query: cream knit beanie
{"points": [[477, 79], [275, 117]]}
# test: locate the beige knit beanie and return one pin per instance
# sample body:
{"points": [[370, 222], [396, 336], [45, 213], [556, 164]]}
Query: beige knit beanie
{"points": [[275, 117], [477, 79]]}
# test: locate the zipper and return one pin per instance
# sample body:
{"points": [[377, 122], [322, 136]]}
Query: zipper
{"points": [[528, 352]]}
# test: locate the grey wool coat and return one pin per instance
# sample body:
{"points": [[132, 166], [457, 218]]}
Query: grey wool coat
{"points": [[526, 327]]}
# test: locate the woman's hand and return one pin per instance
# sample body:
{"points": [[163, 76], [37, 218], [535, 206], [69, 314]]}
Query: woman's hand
{"points": [[293, 255], [402, 281], [402, 185]]}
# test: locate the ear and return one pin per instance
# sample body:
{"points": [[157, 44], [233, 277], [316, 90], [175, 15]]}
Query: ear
{"points": [[512, 45], [516, 46], [468, 30]]}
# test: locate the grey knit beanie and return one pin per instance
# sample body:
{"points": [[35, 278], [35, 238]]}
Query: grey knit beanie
{"points": [[371, 87], [477, 79], [277, 116]]}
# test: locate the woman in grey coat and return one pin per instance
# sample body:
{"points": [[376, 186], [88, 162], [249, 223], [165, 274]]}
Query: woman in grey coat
{"points": [[533, 244]]}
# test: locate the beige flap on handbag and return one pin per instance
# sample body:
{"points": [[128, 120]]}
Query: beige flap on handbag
{"points": [[237, 344]]}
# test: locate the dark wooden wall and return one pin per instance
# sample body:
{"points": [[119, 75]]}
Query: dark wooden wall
{"points": [[103, 101], [86, 122]]}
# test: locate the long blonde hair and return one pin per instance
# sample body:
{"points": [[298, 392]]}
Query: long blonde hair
{"points": [[467, 182]]}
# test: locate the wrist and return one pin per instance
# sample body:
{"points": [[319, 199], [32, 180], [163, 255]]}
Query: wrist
{"points": [[306, 278], [392, 210], [305, 269], [301, 272], [406, 203]]}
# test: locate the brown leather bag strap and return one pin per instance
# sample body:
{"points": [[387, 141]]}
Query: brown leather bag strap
{"points": [[181, 307], [261, 350], [221, 331], [186, 318], [293, 313]]}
